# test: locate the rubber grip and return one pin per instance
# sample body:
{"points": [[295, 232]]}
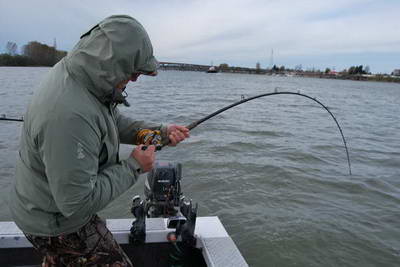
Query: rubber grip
{"points": [[158, 148]]}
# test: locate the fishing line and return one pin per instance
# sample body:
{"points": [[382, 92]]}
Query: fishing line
{"points": [[244, 100]]}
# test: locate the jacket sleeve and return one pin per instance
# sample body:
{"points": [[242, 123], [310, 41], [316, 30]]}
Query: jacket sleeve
{"points": [[128, 128], [70, 150]]}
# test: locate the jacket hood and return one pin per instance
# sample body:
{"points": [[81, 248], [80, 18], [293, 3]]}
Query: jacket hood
{"points": [[109, 53]]}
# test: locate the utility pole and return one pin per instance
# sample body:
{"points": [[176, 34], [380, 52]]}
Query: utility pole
{"points": [[271, 59]]}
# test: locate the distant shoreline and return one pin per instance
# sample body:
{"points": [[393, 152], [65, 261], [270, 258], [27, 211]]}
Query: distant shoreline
{"points": [[328, 74], [358, 77], [306, 74]]}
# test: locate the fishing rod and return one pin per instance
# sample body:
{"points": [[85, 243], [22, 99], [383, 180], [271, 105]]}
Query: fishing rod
{"points": [[9, 119], [244, 100]]}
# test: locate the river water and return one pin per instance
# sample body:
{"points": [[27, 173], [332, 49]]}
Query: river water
{"points": [[274, 170]]}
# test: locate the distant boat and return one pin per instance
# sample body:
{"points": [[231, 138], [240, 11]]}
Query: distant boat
{"points": [[212, 69]]}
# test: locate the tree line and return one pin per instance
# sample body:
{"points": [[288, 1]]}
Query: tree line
{"points": [[33, 54], [353, 70]]}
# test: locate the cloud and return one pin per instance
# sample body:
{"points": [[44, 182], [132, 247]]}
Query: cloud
{"points": [[237, 32], [290, 27]]}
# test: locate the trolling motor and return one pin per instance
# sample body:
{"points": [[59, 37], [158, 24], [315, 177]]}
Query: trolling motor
{"points": [[164, 199]]}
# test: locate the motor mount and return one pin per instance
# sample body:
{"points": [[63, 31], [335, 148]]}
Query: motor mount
{"points": [[164, 199]]}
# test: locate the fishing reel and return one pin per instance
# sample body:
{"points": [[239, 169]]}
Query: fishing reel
{"points": [[164, 199], [149, 137]]}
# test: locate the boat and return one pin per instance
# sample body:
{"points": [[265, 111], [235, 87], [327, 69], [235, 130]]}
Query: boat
{"points": [[212, 69], [165, 230]]}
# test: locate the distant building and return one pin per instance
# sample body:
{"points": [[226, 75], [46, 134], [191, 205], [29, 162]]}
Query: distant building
{"points": [[333, 72], [396, 72]]}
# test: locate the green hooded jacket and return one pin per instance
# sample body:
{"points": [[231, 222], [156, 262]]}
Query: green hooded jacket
{"points": [[68, 167]]}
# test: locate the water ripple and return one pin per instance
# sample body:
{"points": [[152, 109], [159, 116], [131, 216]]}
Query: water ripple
{"points": [[274, 170]]}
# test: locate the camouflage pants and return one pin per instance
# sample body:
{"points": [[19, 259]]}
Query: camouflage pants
{"points": [[92, 245]]}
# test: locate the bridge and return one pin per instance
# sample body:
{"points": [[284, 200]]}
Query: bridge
{"points": [[183, 66], [196, 67]]}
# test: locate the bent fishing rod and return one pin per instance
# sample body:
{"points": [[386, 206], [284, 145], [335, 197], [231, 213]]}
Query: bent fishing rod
{"points": [[244, 100]]}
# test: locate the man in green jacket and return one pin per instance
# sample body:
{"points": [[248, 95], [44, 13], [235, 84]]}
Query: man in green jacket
{"points": [[68, 167]]}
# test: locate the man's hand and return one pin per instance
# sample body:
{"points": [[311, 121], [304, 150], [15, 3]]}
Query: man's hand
{"points": [[145, 158], [177, 134]]}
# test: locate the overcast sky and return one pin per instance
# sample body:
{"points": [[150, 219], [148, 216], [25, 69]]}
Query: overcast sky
{"points": [[314, 33]]}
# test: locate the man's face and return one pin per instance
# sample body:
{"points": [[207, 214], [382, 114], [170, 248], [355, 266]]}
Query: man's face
{"points": [[122, 85], [135, 76]]}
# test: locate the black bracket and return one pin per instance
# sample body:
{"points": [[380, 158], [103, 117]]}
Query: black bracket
{"points": [[186, 230], [138, 229]]}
